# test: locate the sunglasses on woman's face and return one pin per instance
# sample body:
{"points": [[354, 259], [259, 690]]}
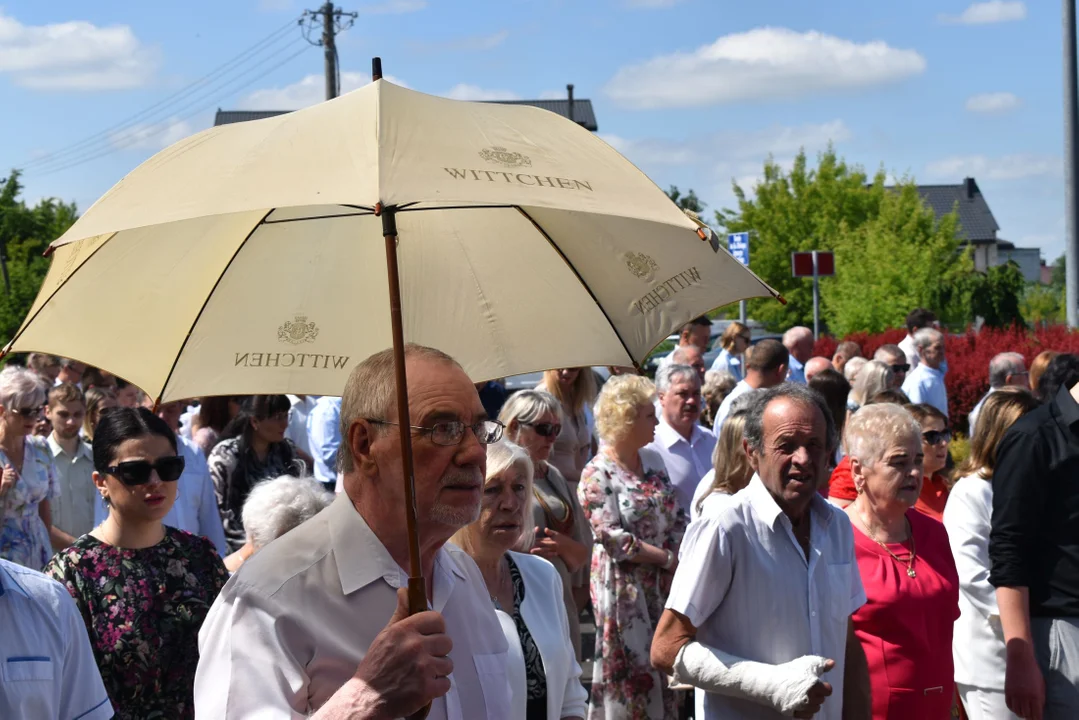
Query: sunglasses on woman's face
{"points": [[137, 472], [29, 412], [545, 429], [935, 437]]}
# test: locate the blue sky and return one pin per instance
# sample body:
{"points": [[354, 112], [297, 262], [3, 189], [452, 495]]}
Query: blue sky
{"points": [[696, 92]]}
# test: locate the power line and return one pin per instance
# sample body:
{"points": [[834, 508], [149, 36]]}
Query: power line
{"points": [[163, 106], [108, 150]]}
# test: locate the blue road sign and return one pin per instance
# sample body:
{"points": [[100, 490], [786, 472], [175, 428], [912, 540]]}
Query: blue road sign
{"points": [[738, 245]]}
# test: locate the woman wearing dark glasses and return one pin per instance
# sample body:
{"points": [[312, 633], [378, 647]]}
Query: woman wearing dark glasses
{"points": [[533, 420], [28, 477], [936, 437], [143, 588]]}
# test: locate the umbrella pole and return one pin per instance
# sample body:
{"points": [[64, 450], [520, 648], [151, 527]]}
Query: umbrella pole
{"points": [[417, 587]]}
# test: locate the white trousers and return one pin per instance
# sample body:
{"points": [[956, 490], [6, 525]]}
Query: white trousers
{"points": [[982, 704]]}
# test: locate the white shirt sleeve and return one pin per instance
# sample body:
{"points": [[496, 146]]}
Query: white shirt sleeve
{"points": [[210, 524], [83, 695], [705, 569], [967, 518], [245, 670]]}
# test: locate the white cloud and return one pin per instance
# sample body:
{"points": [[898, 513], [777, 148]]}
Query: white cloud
{"points": [[74, 55], [985, 13], [464, 91], [764, 63], [151, 136], [393, 7], [311, 90], [993, 103], [1007, 167]]}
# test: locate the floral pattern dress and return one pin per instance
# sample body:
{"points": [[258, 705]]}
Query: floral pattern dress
{"points": [[626, 510], [143, 609], [24, 539]]}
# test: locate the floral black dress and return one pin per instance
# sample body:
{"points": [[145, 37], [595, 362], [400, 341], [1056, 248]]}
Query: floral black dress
{"points": [[143, 610]]}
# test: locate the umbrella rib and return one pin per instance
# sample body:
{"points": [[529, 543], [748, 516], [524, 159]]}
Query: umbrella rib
{"points": [[317, 217], [580, 279], [407, 208], [209, 295]]}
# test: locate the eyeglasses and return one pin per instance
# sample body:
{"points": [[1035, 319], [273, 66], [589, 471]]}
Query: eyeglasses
{"points": [[29, 412], [900, 367], [137, 472], [935, 437], [452, 432], [545, 429]]}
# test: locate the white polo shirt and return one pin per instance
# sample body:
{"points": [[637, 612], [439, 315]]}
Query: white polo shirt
{"points": [[745, 584], [47, 668], [295, 621], [687, 461]]}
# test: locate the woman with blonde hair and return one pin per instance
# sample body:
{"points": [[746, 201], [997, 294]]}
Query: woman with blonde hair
{"points": [[638, 526], [526, 591], [574, 389], [731, 470], [98, 400], [734, 341], [978, 648], [874, 377]]}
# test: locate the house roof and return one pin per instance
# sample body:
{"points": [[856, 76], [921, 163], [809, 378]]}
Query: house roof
{"points": [[977, 224], [583, 114]]}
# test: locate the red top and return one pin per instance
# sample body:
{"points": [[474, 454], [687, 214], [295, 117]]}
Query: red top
{"points": [[930, 502], [906, 624]]}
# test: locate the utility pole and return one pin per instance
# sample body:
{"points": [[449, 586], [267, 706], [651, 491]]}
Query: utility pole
{"points": [[1071, 168], [333, 21]]}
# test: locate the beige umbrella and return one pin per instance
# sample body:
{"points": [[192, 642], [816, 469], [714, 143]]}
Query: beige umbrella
{"points": [[262, 257]]}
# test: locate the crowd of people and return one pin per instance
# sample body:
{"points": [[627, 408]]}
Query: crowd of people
{"points": [[776, 535]]}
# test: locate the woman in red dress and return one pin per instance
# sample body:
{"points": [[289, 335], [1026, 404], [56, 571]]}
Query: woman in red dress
{"points": [[907, 570]]}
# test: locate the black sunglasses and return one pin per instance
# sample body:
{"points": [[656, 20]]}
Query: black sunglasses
{"points": [[935, 437], [900, 367], [137, 472], [545, 429], [29, 412]]}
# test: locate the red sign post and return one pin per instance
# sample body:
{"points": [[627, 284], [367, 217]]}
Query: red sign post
{"points": [[814, 264]]}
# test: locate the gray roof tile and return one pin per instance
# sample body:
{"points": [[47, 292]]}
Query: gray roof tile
{"points": [[977, 224]]}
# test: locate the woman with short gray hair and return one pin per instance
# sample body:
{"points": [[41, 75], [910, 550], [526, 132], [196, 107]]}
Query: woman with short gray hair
{"points": [[273, 507], [29, 479], [533, 420]]}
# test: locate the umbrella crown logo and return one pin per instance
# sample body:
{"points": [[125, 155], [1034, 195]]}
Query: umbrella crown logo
{"points": [[641, 265], [502, 156], [298, 331]]}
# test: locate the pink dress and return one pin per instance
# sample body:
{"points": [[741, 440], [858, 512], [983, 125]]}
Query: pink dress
{"points": [[906, 624]]}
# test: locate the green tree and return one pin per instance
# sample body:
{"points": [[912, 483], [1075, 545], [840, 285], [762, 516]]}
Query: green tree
{"points": [[1045, 304], [25, 233], [689, 201], [996, 295], [899, 258]]}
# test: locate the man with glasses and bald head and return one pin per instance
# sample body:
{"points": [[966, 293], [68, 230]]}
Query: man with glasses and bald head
{"points": [[316, 623]]}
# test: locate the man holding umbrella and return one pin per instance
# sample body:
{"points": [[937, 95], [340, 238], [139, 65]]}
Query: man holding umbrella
{"points": [[316, 622]]}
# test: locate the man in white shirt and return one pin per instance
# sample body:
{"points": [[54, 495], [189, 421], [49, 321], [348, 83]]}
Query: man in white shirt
{"points": [[760, 605], [49, 671], [71, 372], [695, 334], [73, 508], [1007, 368], [297, 421], [917, 319], [315, 624], [799, 343], [324, 438], [766, 367], [685, 446], [195, 509], [925, 383]]}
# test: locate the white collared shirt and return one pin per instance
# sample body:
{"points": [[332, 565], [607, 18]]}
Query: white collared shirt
{"points": [[195, 510], [295, 621], [687, 461], [297, 421], [73, 508], [47, 667], [910, 350], [926, 385], [745, 584], [725, 407]]}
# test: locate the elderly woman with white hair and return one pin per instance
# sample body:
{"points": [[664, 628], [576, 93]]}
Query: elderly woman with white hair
{"points": [[638, 525], [907, 570], [29, 480], [533, 420], [273, 507], [526, 591]]}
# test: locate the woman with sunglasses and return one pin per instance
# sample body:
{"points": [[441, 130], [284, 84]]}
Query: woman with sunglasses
{"points": [[28, 477], [936, 437], [143, 588], [533, 420]]}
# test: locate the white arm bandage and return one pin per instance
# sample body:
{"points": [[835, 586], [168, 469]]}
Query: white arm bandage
{"points": [[782, 687]]}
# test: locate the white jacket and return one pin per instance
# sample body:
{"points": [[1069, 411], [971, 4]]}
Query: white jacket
{"points": [[544, 612]]}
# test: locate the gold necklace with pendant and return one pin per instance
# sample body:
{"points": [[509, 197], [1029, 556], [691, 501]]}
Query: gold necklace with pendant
{"points": [[910, 561]]}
